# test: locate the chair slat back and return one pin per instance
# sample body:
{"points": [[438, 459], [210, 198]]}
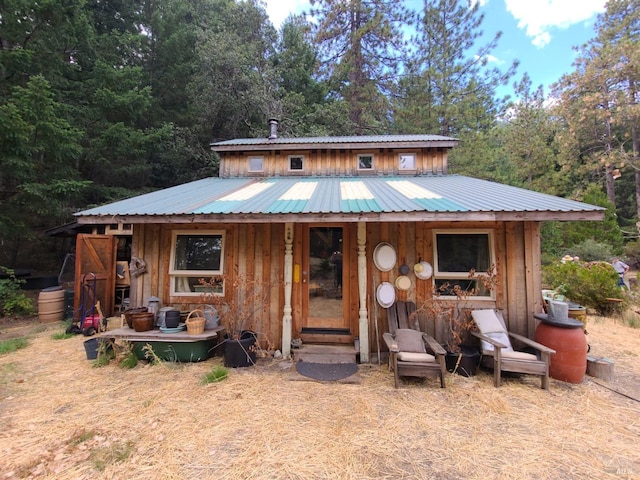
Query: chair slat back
{"points": [[399, 314]]}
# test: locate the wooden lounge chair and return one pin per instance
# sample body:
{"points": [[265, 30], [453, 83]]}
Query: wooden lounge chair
{"points": [[411, 352], [497, 352]]}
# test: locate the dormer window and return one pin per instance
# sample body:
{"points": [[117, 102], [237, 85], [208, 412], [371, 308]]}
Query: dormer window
{"points": [[256, 164], [407, 161], [296, 163], [365, 161]]}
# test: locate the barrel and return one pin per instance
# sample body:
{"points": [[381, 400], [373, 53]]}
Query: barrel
{"points": [[578, 312], [51, 305], [569, 364]]}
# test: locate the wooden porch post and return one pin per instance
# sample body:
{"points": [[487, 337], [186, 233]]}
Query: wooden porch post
{"points": [[287, 319], [362, 292]]}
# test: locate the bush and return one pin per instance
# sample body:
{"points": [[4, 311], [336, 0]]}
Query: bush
{"points": [[586, 283], [592, 251], [632, 253], [13, 301]]}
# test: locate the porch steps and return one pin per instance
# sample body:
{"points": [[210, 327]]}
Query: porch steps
{"points": [[325, 353]]}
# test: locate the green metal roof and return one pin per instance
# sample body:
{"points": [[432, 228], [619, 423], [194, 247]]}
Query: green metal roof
{"points": [[383, 198], [336, 143]]}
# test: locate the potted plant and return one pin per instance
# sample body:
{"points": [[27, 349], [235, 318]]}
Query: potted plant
{"points": [[240, 307], [449, 305]]}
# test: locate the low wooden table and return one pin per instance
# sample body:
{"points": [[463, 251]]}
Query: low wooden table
{"points": [[180, 346]]}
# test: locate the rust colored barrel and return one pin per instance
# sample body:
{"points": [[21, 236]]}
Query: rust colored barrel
{"points": [[569, 363]]}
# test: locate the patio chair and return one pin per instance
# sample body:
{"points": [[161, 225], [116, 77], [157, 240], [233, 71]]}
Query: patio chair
{"points": [[411, 352], [497, 352]]}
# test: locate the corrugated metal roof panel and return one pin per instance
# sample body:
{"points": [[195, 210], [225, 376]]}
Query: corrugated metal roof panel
{"points": [[333, 140], [338, 195]]}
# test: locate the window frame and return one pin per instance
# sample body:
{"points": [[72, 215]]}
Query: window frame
{"points": [[292, 157], [445, 275], [205, 274], [366, 155]]}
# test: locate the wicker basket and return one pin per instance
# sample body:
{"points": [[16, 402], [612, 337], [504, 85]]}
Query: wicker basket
{"points": [[129, 313], [195, 322]]}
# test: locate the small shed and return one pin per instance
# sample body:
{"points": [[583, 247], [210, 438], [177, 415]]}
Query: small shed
{"points": [[328, 220]]}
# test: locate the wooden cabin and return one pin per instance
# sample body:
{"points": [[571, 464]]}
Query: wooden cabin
{"points": [[322, 222]]}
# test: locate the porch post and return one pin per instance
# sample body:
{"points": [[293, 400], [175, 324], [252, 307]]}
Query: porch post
{"points": [[362, 291], [287, 319]]}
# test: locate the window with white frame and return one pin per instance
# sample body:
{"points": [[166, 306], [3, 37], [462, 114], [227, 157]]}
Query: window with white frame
{"points": [[256, 164], [197, 262], [365, 161], [459, 252], [296, 163]]}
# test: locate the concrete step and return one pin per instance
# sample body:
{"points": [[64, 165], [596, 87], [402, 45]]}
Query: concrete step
{"points": [[326, 353]]}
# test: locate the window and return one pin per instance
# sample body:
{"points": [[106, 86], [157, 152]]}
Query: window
{"points": [[296, 163], [407, 161], [256, 164], [456, 254], [365, 162], [196, 256]]}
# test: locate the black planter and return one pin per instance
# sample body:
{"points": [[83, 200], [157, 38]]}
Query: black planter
{"points": [[240, 352], [465, 362]]}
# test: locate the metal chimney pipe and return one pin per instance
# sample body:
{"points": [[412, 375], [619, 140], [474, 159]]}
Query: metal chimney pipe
{"points": [[273, 129]]}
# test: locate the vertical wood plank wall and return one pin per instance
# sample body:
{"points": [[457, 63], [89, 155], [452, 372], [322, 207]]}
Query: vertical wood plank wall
{"points": [[257, 250]]}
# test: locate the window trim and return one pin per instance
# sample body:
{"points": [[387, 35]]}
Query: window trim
{"points": [[255, 157], [362, 155], [437, 274], [291, 157], [206, 274]]}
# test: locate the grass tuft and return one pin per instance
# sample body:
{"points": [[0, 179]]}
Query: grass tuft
{"points": [[218, 374]]}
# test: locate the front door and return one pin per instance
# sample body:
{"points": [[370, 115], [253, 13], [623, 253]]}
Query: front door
{"points": [[325, 300]]}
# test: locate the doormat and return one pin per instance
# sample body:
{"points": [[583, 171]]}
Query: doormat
{"points": [[327, 372]]}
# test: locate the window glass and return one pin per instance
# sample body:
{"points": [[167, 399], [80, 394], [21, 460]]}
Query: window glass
{"points": [[295, 163], [256, 164], [365, 162], [196, 258], [457, 255]]}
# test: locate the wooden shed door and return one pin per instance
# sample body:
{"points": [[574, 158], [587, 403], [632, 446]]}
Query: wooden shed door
{"points": [[325, 305], [95, 260]]}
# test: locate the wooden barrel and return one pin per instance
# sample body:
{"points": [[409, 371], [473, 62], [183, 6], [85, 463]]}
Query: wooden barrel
{"points": [[51, 305], [569, 363]]}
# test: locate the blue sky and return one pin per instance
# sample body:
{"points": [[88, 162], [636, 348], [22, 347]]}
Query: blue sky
{"points": [[539, 33]]}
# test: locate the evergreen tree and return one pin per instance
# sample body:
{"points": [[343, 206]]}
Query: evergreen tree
{"points": [[361, 44]]}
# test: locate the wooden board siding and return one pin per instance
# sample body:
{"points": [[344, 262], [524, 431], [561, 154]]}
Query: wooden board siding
{"points": [[257, 250], [323, 162]]}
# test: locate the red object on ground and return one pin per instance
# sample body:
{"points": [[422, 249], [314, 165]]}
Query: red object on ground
{"points": [[569, 363]]}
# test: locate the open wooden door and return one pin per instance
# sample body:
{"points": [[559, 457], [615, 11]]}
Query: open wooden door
{"points": [[95, 272]]}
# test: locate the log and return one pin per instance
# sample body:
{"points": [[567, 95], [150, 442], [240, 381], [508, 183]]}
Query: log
{"points": [[600, 367]]}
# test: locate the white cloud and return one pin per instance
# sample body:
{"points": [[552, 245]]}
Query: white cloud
{"points": [[538, 18], [279, 10]]}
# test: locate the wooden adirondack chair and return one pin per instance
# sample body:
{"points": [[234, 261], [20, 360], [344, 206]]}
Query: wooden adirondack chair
{"points": [[497, 352], [411, 352]]}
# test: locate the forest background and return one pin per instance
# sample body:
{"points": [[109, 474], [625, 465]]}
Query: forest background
{"points": [[106, 99]]}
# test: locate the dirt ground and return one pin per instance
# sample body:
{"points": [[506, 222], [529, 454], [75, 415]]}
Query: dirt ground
{"points": [[62, 417]]}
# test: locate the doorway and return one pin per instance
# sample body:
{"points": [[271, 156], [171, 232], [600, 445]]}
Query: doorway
{"points": [[324, 296]]}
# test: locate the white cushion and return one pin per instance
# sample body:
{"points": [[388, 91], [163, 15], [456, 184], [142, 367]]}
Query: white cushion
{"points": [[488, 321], [518, 355], [409, 340], [501, 337], [416, 357]]}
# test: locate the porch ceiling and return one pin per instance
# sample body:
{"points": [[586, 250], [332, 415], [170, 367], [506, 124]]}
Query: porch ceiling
{"points": [[344, 199]]}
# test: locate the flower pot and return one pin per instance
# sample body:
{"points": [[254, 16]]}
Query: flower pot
{"points": [[240, 352], [465, 362]]}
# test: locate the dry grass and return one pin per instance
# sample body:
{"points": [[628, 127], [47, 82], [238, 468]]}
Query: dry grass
{"points": [[62, 418]]}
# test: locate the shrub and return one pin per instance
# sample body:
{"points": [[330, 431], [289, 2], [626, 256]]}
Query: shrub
{"points": [[586, 283], [592, 251], [13, 301], [632, 252]]}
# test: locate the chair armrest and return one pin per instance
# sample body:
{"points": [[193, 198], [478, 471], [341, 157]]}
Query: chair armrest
{"points": [[493, 342], [531, 343], [435, 347], [392, 345]]}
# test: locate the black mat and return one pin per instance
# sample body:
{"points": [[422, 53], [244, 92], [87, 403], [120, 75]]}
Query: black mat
{"points": [[326, 371]]}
